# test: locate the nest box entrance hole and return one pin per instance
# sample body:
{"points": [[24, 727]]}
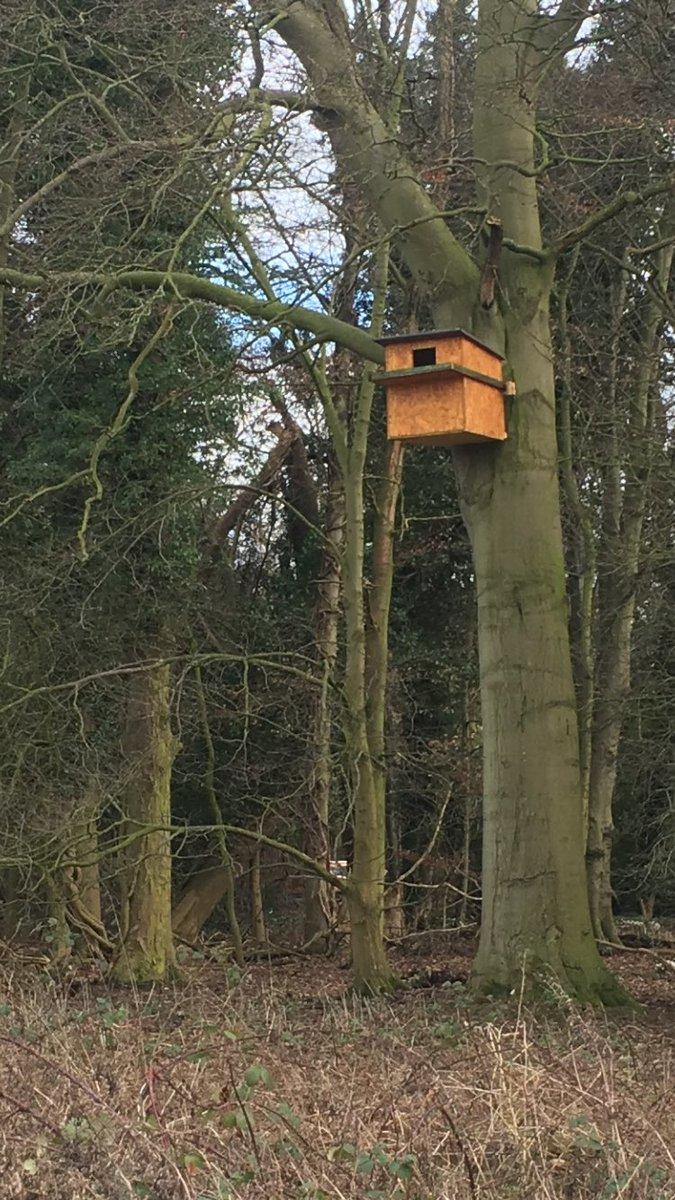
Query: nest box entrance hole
{"points": [[424, 356]]}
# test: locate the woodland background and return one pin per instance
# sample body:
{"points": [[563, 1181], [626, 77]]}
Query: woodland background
{"points": [[174, 709]]}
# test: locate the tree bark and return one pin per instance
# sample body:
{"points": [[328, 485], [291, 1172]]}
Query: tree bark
{"points": [[319, 901], [221, 837], [372, 972], [86, 852], [377, 646], [535, 919], [583, 548], [146, 954], [12, 903], [9, 164], [258, 926], [58, 937], [199, 899], [623, 521]]}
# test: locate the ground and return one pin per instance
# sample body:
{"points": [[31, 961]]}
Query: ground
{"points": [[278, 1084]]}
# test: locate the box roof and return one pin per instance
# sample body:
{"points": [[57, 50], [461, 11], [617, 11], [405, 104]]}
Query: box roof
{"points": [[427, 334]]}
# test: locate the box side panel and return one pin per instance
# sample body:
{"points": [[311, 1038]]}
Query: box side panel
{"points": [[467, 354], [485, 413]]}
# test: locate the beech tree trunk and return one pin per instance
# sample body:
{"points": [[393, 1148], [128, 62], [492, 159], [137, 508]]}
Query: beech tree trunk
{"points": [[535, 919], [146, 954]]}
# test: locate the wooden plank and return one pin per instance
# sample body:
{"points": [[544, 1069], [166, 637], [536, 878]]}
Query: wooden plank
{"points": [[446, 368]]}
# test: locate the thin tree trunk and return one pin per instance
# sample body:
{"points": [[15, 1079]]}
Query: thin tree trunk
{"points": [[86, 852], [214, 804], [620, 565], [12, 903], [319, 901], [377, 644], [365, 890], [445, 60], [58, 936], [372, 972], [257, 908], [468, 810], [9, 165], [146, 954], [582, 538]]}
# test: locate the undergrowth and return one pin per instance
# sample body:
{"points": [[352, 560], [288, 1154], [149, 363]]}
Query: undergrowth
{"points": [[249, 1086]]}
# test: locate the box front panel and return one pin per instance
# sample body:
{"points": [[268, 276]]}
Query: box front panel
{"points": [[425, 408], [399, 356]]}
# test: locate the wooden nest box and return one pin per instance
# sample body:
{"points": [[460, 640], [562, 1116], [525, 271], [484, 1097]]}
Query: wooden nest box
{"points": [[443, 388]]}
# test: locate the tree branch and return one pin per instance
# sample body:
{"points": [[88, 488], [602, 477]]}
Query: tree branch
{"points": [[248, 494], [193, 287], [369, 153], [626, 200], [558, 31]]}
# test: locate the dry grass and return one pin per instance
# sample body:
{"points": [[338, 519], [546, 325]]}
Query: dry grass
{"points": [[275, 1085]]}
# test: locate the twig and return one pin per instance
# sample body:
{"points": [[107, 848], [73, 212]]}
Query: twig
{"points": [[467, 1161], [247, 1119], [641, 950]]}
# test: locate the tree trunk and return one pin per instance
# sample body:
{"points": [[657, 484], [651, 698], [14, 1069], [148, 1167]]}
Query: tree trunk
{"points": [[468, 812], [58, 936], [257, 908], [582, 547], [199, 899], [85, 852], [12, 903], [372, 972], [377, 646], [623, 519], [9, 164], [319, 901], [535, 920], [221, 837], [146, 954]]}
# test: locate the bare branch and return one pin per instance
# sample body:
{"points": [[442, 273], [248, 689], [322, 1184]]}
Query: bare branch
{"points": [[557, 32], [193, 287], [625, 200]]}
